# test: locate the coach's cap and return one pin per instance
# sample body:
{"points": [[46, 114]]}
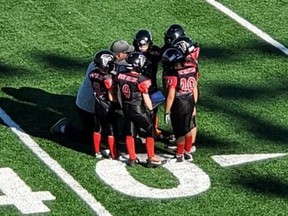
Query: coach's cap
{"points": [[121, 46]]}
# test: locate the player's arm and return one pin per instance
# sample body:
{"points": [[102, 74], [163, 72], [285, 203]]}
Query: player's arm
{"points": [[169, 99], [170, 83], [147, 101], [195, 92], [143, 88]]}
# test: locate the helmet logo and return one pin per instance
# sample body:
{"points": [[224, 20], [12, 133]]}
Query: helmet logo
{"points": [[106, 59], [143, 42], [142, 60], [182, 45]]}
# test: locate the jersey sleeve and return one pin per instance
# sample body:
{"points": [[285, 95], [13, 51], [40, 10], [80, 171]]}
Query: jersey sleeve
{"points": [[144, 86], [195, 54], [108, 82], [170, 81]]}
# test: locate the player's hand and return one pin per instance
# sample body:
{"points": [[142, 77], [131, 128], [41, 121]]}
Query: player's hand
{"points": [[167, 118]]}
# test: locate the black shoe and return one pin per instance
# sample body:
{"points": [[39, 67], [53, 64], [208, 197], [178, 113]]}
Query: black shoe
{"points": [[155, 162], [171, 146], [56, 128], [188, 157], [132, 163], [180, 158]]}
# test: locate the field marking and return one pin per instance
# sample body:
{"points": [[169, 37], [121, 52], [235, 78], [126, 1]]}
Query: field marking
{"points": [[54, 165], [248, 25], [191, 179], [238, 159], [18, 193]]}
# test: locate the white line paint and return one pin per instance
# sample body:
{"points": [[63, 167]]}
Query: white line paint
{"points": [[54, 165], [237, 159], [248, 25], [191, 179], [18, 193]]}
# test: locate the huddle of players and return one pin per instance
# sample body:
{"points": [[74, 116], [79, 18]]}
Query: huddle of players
{"points": [[130, 90]]}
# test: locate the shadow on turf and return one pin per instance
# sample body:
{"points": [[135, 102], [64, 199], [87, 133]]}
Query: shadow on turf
{"points": [[224, 54], [60, 61], [8, 70], [36, 111], [260, 184], [261, 128]]}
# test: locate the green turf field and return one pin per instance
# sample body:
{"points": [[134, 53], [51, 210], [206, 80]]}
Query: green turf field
{"points": [[46, 47]]}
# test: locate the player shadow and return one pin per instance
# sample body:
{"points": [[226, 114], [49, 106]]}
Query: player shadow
{"points": [[219, 54], [8, 70], [260, 46], [215, 53], [267, 185], [60, 61], [36, 110], [261, 128]]}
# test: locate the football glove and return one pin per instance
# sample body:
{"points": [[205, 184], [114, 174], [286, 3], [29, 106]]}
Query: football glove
{"points": [[167, 118]]}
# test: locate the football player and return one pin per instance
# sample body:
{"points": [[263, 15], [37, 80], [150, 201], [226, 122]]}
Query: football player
{"points": [[85, 100], [172, 32], [190, 51], [85, 107], [143, 43], [137, 107], [180, 86], [101, 81]]}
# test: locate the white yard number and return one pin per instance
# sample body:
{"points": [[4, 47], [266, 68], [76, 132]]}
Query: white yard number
{"points": [[192, 180], [19, 194]]}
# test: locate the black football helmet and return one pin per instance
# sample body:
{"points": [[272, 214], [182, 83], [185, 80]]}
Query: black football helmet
{"points": [[172, 32], [171, 56], [136, 61], [104, 59], [184, 44], [142, 37]]}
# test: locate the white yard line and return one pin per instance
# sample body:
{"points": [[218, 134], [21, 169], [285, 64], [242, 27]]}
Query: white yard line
{"points": [[248, 25], [54, 165]]}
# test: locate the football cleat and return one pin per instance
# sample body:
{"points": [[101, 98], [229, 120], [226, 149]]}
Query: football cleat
{"points": [[98, 155], [179, 158], [56, 128], [172, 139], [155, 162], [188, 157], [171, 146], [133, 162]]}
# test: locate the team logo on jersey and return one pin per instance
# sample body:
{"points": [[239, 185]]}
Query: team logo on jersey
{"points": [[126, 91]]}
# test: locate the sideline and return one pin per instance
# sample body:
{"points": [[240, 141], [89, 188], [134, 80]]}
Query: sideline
{"points": [[54, 166], [248, 25]]}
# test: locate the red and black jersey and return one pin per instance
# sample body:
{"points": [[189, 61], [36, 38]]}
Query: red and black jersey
{"points": [[182, 78], [193, 58], [101, 83], [194, 54], [191, 62], [131, 87]]}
